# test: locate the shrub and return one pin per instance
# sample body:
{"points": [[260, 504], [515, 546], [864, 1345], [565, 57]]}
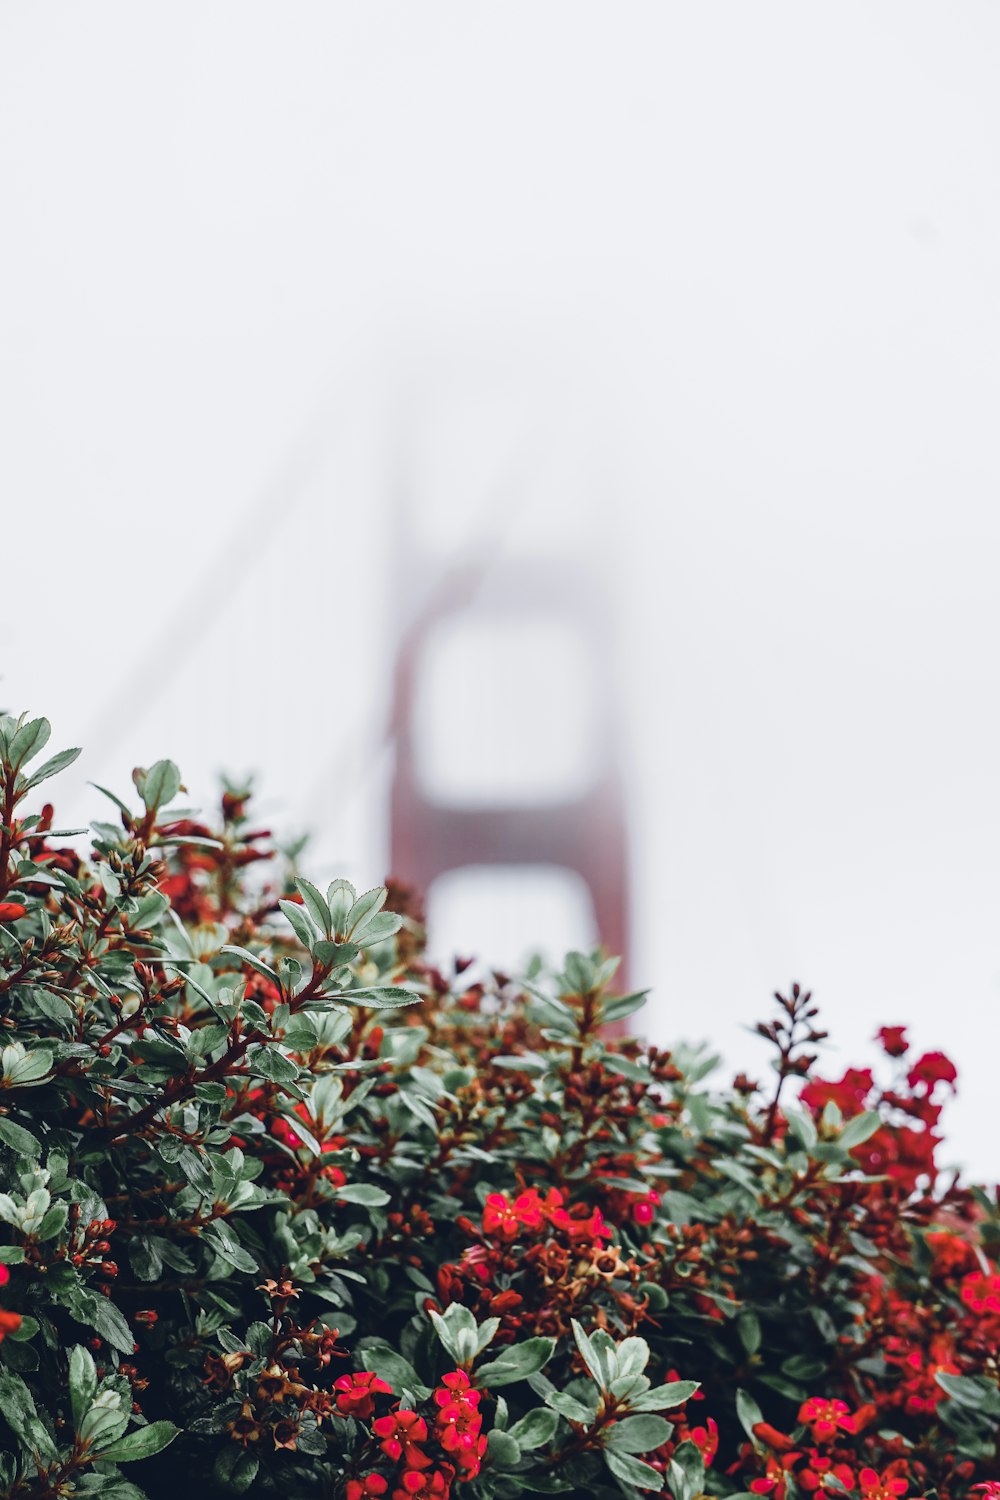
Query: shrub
{"points": [[286, 1210]]}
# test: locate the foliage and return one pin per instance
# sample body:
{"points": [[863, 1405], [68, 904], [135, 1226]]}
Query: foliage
{"points": [[286, 1210]]}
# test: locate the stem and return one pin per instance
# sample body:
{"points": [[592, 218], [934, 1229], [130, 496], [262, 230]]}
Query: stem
{"points": [[7, 833]]}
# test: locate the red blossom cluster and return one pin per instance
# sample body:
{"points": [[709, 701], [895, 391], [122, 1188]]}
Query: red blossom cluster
{"points": [[903, 1146], [556, 1251], [825, 1457], [430, 1455], [531, 1211]]}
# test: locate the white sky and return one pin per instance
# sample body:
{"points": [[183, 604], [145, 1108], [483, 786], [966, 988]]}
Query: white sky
{"points": [[716, 284]]}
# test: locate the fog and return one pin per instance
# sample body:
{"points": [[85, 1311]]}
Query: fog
{"points": [[313, 315]]}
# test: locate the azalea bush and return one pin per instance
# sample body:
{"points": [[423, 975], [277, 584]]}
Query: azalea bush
{"points": [[286, 1210]]}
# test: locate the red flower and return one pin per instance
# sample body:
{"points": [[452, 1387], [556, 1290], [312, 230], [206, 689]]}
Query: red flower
{"points": [[953, 1256], [849, 1094], [458, 1424], [502, 1217], [981, 1292], [400, 1433], [930, 1069], [893, 1039], [825, 1418], [357, 1393], [12, 911], [644, 1209], [371, 1484], [4, 1275], [774, 1482], [431, 1483], [886, 1487], [10, 1322], [706, 1440], [779, 1441]]}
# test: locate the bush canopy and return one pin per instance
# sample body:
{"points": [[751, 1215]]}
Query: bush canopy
{"points": [[287, 1210]]}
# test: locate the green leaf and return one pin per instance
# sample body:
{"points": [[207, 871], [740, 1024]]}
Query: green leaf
{"points": [[29, 739], [486, 1334], [110, 1323], [748, 1412], [569, 1407], [623, 1466], [687, 1472], [396, 1371], [19, 1409], [31, 1069], [590, 1356], [976, 1392], [661, 1397], [788, 1388], [315, 905], [235, 1469], [299, 923], [536, 1429], [390, 998], [340, 897], [458, 1331], [364, 908], [246, 957], [622, 1006], [381, 927], [802, 1128], [18, 1139], [28, 1329], [82, 1382], [364, 1193], [142, 1443], [579, 974], [334, 955], [502, 1449], [638, 1434], [159, 785], [52, 767], [271, 1063], [145, 1256], [631, 1356], [859, 1129], [517, 1362], [748, 1328], [53, 1222]]}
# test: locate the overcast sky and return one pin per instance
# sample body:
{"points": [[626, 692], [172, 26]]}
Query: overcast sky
{"points": [[706, 294]]}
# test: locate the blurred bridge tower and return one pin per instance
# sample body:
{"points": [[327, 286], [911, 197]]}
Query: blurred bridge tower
{"points": [[583, 832]]}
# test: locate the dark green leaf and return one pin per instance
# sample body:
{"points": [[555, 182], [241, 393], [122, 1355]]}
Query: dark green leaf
{"points": [[142, 1443], [18, 1139], [364, 1193], [82, 1382], [633, 1471], [638, 1434], [517, 1362]]}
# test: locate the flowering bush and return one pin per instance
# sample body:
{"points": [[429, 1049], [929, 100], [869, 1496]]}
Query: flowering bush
{"points": [[285, 1210]]}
